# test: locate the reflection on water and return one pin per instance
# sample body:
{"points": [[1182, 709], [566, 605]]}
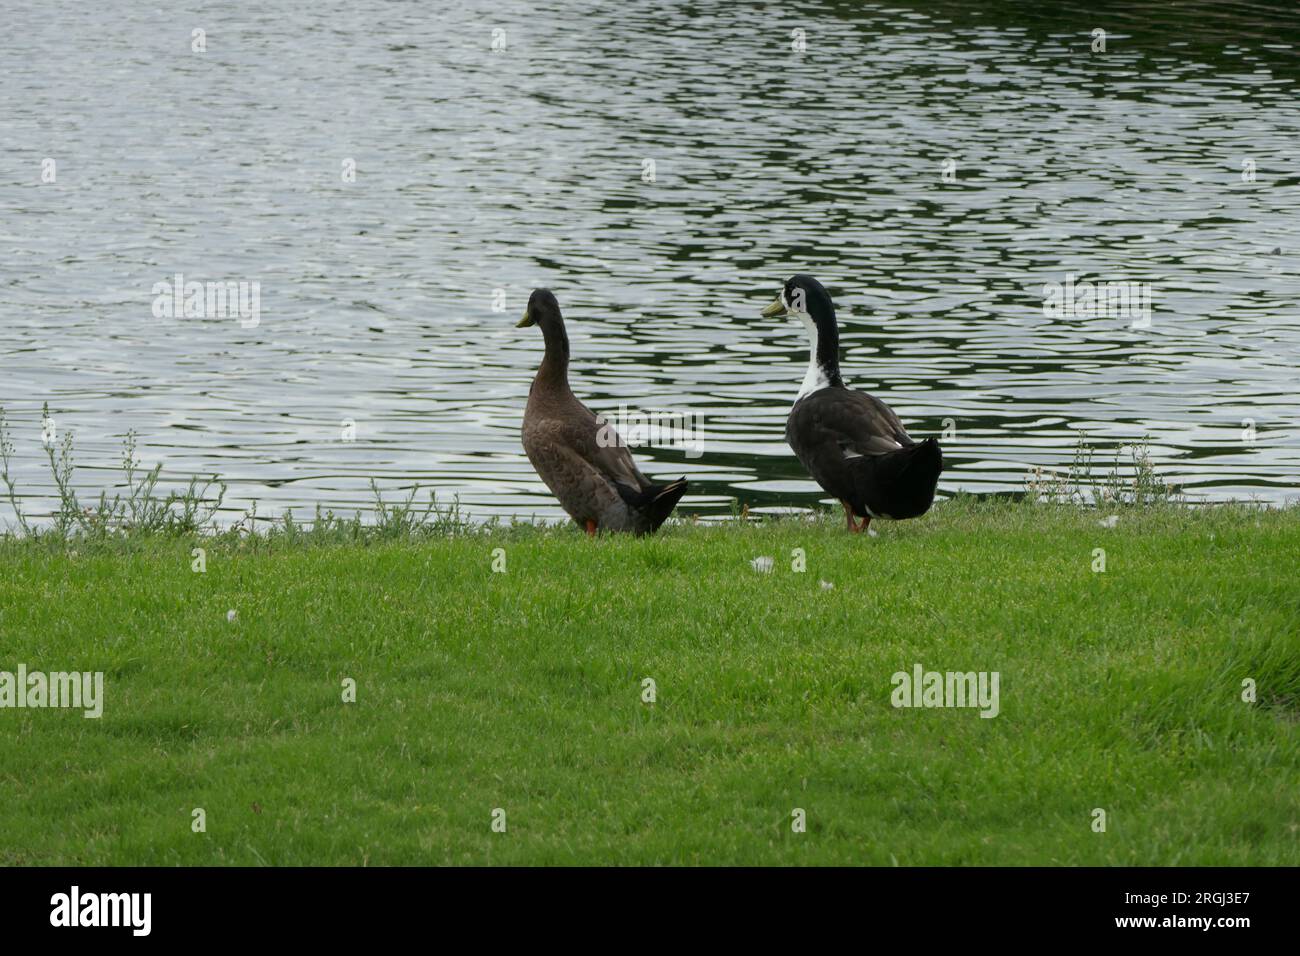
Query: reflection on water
{"points": [[478, 171]]}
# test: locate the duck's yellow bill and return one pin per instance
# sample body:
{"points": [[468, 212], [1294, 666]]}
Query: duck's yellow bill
{"points": [[776, 308], [526, 321]]}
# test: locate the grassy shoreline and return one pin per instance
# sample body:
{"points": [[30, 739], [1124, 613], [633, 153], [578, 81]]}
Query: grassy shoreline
{"points": [[522, 690]]}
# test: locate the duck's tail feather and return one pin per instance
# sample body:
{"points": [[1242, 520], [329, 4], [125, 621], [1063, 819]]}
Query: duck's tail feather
{"points": [[657, 501], [901, 484], [663, 500]]}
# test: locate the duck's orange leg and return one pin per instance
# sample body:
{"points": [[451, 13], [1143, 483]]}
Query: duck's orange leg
{"points": [[853, 525], [591, 528], [848, 516]]}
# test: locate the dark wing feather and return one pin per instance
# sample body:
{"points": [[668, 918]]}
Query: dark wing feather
{"points": [[570, 437], [831, 427], [583, 491], [602, 447]]}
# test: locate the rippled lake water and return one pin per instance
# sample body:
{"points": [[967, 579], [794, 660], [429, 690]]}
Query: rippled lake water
{"points": [[934, 165]]}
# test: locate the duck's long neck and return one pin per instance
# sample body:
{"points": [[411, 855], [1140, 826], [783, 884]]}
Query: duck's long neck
{"points": [[554, 369], [823, 353]]}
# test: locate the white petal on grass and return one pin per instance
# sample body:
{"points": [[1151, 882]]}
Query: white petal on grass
{"points": [[763, 564]]}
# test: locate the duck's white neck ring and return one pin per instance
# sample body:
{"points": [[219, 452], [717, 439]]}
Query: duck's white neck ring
{"points": [[823, 364]]}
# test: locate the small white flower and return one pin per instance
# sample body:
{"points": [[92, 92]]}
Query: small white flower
{"points": [[763, 564], [1109, 521], [826, 585], [230, 616]]}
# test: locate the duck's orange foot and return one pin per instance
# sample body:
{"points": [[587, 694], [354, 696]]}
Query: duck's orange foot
{"points": [[848, 516], [854, 527], [591, 528]]}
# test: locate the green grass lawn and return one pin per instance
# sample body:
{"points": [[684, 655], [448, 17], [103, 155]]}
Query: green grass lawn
{"points": [[522, 690]]}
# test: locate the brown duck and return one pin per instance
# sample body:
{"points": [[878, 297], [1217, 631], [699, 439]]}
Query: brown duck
{"points": [[581, 458], [852, 443]]}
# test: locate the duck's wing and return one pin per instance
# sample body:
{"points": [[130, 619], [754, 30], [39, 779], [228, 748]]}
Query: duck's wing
{"points": [[588, 446], [840, 420], [836, 432], [608, 454]]}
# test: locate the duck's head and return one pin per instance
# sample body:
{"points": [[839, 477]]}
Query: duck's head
{"points": [[804, 297], [807, 299], [543, 310]]}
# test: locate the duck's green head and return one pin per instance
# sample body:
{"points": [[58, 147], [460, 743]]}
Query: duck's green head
{"points": [[801, 296], [542, 307], [807, 300]]}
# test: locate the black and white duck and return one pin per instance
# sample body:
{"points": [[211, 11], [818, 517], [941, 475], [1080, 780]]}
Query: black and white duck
{"points": [[850, 442], [581, 459]]}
